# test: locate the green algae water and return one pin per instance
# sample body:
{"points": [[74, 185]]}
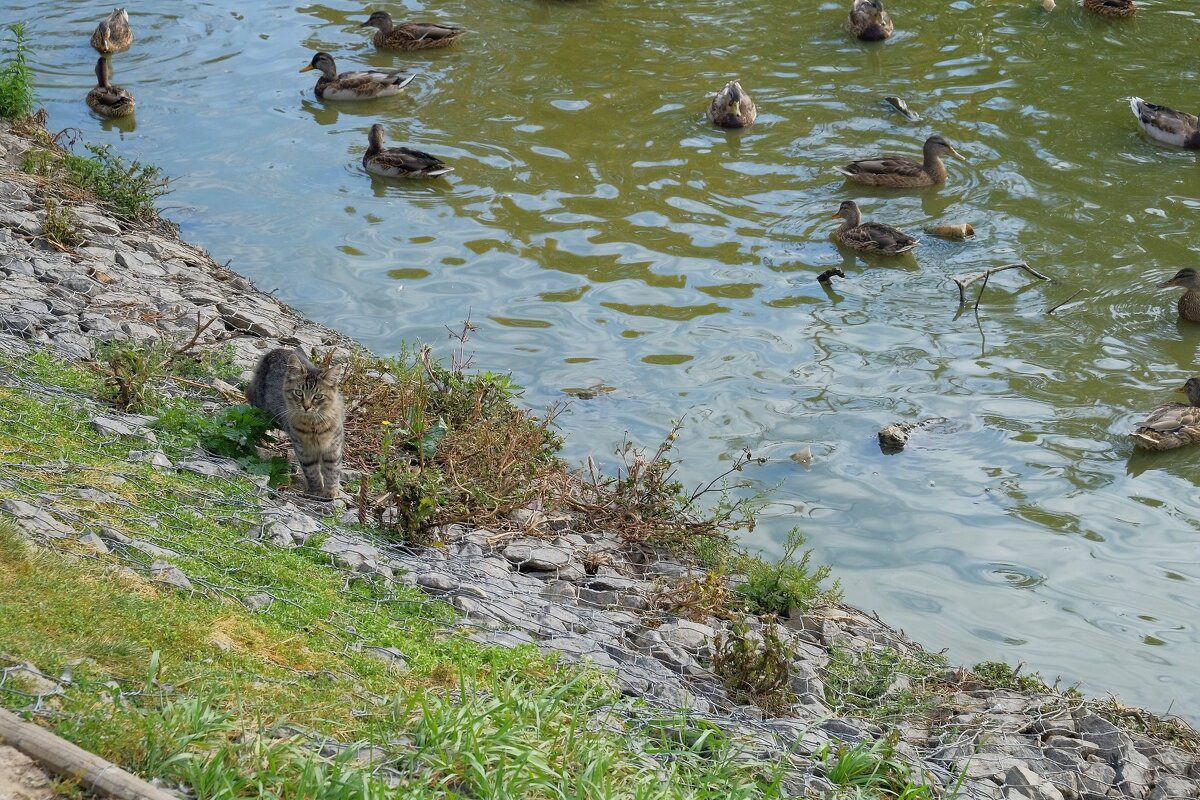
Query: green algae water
{"points": [[599, 232]]}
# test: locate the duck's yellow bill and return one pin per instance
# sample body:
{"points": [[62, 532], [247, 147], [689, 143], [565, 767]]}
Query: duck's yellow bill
{"points": [[307, 68]]}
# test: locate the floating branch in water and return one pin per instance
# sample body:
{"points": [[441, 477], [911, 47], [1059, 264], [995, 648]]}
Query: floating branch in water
{"points": [[1064, 302], [963, 282], [829, 274]]}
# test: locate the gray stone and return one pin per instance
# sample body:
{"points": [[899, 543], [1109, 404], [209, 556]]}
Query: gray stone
{"points": [[502, 638], [258, 601], [168, 573], [96, 223], [562, 591], [93, 542], [1021, 778], [35, 521], [691, 636], [156, 458], [140, 332], [254, 323], [1107, 737], [213, 466], [388, 655], [593, 597], [114, 426], [1170, 787], [436, 582], [534, 554], [286, 525]]}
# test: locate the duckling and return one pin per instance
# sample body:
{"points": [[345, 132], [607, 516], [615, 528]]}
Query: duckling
{"points": [[113, 35], [869, 22], [1167, 125], [410, 35], [108, 100], [1171, 425], [902, 171], [1189, 301], [354, 85], [399, 162], [1110, 8], [870, 237], [732, 107]]}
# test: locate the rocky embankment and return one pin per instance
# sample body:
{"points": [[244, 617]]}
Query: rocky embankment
{"points": [[586, 596]]}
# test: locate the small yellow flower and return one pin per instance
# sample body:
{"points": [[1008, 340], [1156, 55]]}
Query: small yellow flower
{"points": [[385, 422]]}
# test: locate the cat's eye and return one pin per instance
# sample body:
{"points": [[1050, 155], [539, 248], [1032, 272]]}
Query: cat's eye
{"points": [[318, 396], [297, 393]]}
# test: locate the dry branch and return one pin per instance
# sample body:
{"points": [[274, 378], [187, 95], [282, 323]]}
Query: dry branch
{"points": [[63, 758], [963, 282]]}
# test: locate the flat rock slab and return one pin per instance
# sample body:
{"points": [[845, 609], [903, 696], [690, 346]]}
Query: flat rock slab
{"points": [[535, 554], [36, 521]]}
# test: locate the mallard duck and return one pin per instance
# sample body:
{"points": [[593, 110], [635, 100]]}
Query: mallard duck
{"points": [[732, 107], [869, 22], [902, 171], [1167, 125], [353, 85], [870, 237], [1172, 425], [1110, 8], [1189, 301], [399, 162], [410, 35], [113, 35], [108, 100]]}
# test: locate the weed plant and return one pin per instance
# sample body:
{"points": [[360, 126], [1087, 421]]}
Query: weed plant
{"points": [[16, 78]]}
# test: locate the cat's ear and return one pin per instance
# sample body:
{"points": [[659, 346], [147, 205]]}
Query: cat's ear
{"points": [[295, 366], [334, 374]]}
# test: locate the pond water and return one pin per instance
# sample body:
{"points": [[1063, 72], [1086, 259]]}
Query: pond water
{"points": [[598, 231]]}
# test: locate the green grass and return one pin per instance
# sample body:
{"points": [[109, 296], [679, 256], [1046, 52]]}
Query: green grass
{"points": [[16, 79], [193, 687], [871, 770], [884, 686]]}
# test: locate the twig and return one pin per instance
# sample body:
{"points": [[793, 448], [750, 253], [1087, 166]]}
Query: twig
{"points": [[200, 329], [982, 286], [1064, 302], [963, 283]]}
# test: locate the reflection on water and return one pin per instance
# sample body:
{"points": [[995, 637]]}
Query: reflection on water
{"points": [[601, 234]]}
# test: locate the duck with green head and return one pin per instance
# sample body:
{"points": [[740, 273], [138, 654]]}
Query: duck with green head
{"points": [[360, 85]]}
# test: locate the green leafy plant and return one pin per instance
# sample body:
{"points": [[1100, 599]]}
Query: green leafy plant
{"points": [[130, 372], [756, 667], [998, 675], [59, 226], [129, 189], [16, 79], [789, 584], [234, 433]]}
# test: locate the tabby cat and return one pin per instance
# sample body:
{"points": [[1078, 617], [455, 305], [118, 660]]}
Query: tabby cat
{"points": [[306, 404]]}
